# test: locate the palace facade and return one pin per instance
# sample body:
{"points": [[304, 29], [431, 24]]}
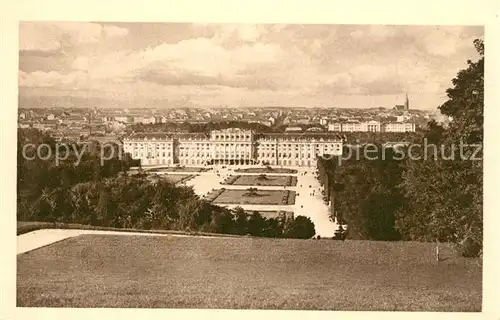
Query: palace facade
{"points": [[231, 146]]}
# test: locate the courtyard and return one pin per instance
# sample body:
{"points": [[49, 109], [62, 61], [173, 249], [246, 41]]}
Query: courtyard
{"points": [[256, 197], [261, 180]]}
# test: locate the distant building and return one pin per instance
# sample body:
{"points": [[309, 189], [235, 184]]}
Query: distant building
{"points": [[293, 129], [138, 119], [231, 146], [301, 121], [405, 106], [399, 127], [150, 148], [372, 126], [355, 126], [315, 129], [123, 119], [106, 119], [335, 126], [352, 126], [161, 119], [74, 119], [149, 120]]}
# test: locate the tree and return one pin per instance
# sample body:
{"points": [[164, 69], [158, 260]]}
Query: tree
{"points": [[222, 222], [256, 224], [273, 229], [240, 221], [445, 194], [368, 193], [301, 228]]}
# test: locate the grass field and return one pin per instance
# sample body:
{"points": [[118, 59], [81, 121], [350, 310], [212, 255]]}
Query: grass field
{"points": [[169, 272], [270, 180], [264, 197], [266, 170]]}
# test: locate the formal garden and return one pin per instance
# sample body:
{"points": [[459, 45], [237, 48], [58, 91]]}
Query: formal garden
{"points": [[261, 180], [252, 196], [266, 169]]}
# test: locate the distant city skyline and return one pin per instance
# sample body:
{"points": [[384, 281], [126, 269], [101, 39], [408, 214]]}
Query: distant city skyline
{"points": [[200, 65]]}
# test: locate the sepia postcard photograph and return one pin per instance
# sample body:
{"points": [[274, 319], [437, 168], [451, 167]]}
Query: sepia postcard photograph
{"points": [[264, 166]]}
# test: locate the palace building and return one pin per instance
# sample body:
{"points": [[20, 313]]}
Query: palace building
{"points": [[232, 146]]}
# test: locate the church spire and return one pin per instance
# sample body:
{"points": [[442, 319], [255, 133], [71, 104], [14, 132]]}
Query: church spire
{"points": [[407, 102]]}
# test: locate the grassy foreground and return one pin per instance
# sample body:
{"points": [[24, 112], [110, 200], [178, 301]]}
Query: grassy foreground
{"points": [[173, 272]]}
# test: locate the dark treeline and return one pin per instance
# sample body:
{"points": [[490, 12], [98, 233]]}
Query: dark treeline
{"points": [[364, 193], [44, 164], [436, 194], [92, 192]]}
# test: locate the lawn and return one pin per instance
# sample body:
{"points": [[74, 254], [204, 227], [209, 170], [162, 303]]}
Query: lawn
{"points": [[269, 180], [250, 273], [264, 197], [266, 170]]}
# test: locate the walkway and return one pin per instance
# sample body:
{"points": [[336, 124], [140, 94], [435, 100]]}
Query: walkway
{"points": [[40, 238]]}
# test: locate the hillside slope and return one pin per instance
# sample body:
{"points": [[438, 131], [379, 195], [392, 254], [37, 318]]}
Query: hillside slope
{"points": [[169, 272]]}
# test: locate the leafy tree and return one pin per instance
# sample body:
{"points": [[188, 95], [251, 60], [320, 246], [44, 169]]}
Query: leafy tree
{"points": [[300, 227], [240, 221], [273, 229], [365, 193], [256, 224], [445, 194]]}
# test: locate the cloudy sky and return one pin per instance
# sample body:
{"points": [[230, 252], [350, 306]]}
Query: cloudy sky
{"points": [[177, 64]]}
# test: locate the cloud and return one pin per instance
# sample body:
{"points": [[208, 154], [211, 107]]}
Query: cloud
{"points": [[230, 62], [41, 79], [46, 36], [374, 33], [445, 41], [198, 61]]}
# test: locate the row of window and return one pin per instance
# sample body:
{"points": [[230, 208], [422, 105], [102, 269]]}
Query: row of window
{"points": [[151, 155], [201, 161], [232, 137], [208, 145], [137, 144], [202, 155], [232, 154]]}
